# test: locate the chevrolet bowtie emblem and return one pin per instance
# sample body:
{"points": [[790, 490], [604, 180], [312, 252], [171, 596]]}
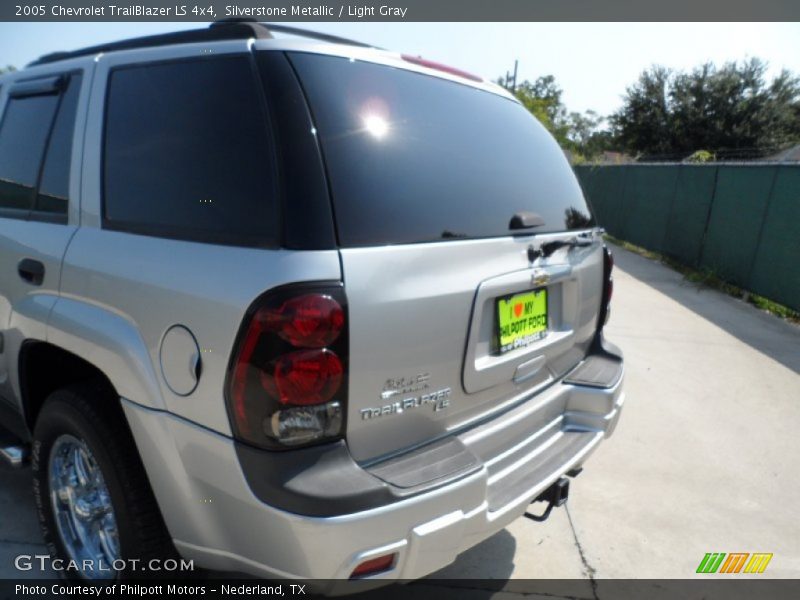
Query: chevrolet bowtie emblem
{"points": [[539, 277]]}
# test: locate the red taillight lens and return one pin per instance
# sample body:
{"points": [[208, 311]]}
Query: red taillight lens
{"points": [[307, 321], [307, 377], [287, 382], [374, 566], [608, 288]]}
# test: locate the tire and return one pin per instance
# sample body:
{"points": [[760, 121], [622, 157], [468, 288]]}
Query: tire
{"points": [[80, 432]]}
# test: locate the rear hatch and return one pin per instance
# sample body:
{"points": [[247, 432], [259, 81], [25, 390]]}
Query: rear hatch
{"points": [[454, 316]]}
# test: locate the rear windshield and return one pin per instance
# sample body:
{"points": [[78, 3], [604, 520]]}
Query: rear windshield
{"points": [[415, 158]]}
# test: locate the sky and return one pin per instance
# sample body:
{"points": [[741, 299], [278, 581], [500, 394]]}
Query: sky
{"points": [[592, 62]]}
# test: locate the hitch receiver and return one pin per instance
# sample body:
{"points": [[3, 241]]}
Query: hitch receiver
{"points": [[555, 495]]}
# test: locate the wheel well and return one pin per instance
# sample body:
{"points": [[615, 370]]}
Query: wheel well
{"points": [[44, 368]]}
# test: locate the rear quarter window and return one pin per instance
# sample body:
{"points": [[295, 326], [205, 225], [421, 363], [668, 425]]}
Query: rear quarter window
{"points": [[23, 138], [187, 153], [416, 158]]}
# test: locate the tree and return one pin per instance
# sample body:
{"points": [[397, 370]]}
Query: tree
{"points": [[642, 125], [730, 111], [585, 134], [543, 99], [575, 132], [7, 69]]}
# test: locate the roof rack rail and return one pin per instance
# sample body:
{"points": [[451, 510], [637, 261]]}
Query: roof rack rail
{"points": [[217, 32], [223, 29]]}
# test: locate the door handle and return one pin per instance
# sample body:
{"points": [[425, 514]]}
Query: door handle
{"points": [[31, 271]]}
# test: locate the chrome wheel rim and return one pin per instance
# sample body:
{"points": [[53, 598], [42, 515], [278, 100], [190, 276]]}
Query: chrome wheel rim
{"points": [[82, 508]]}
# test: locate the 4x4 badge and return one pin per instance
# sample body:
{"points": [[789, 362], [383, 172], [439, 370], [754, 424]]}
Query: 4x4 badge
{"points": [[405, 385]]}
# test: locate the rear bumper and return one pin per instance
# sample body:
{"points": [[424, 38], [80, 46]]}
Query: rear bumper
{"points": [[216, 519]]}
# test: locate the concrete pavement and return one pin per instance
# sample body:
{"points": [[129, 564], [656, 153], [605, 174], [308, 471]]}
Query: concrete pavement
{"points": [[707, 451], [705, 458]]}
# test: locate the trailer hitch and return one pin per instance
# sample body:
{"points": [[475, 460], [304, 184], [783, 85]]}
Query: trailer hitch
{"points": [[555, 495]]}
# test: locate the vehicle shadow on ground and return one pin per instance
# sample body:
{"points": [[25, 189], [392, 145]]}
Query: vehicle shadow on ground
{"points": [[19, 526], [493, 558], [484, 571], [477, 574], [766, 333], [18, 522]]}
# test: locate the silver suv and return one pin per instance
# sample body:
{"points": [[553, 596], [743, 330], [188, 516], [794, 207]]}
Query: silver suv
{"points": [[289, 307]]}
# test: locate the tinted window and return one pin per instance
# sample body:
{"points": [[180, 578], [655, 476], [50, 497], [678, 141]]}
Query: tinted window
{"points": [[415, 158], [23, 136], [53, 195], [187, 152]]}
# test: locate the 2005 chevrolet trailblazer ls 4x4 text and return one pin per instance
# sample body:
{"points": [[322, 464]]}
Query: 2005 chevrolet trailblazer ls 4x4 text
{"points": [[290, 308]]}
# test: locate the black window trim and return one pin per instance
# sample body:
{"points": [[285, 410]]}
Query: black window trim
{"points": [[38, 216], [21, 214], [41, 86], [192, 234], [306, 209]]}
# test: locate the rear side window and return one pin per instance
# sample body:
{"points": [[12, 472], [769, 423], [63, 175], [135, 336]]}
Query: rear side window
{"points": [[415, 158], [36, 139], [23, 137], [187, 153]]}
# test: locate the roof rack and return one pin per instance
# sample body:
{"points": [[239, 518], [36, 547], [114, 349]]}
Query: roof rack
{"points": [[224, 29]]}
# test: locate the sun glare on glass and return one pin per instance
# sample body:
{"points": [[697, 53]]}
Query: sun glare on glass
{"points": [[376, 125]]}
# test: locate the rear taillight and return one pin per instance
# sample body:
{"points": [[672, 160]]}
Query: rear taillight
{"points": [[307, 377], [307, 321], [287, 382], [608, 288]]}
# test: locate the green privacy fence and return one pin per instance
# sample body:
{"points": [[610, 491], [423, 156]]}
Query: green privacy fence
{"points": [[741, 221]]}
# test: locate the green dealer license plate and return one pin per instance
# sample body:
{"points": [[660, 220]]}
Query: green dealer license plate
{"points": [[521, 319]]}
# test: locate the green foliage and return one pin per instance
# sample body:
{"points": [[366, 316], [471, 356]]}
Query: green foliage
{"points": [[731, 110], [643, 123], [7, 69], [543, 99], [700, 156], [579, 134]]}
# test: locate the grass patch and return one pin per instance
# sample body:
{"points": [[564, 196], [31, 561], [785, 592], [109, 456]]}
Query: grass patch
{"points": [[774, 308], [707, 277]]}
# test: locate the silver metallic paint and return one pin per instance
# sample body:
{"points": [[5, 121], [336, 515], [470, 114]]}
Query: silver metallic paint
{"points": [[116, 296]]}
